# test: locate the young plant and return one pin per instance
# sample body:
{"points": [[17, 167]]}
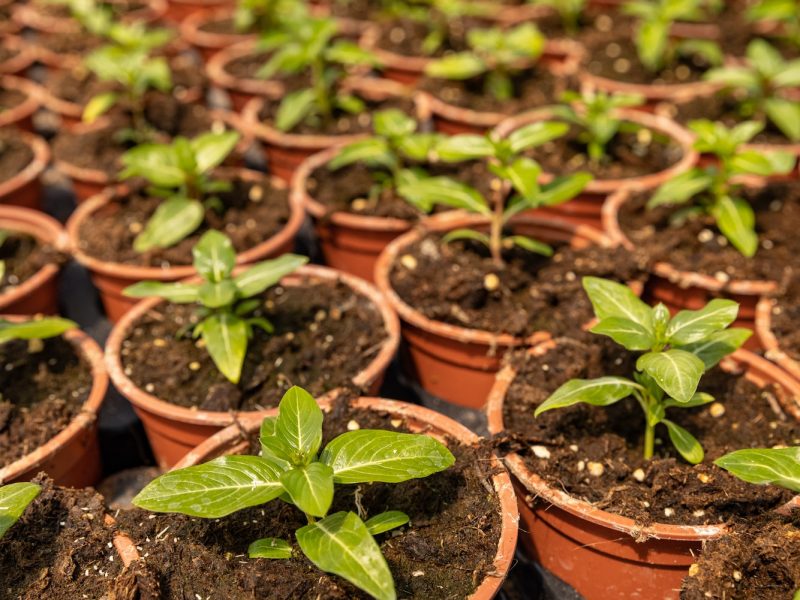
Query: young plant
{"points": [[765, 466], [14, 499], [676, 353], [784, 12], [765, 79], [34, 329], [310, 46], [226, 303], [520, 173], [292, 468], [657, 49], [712, 190], [497, 53], [265, 15], [570, 12], [180, 173]]}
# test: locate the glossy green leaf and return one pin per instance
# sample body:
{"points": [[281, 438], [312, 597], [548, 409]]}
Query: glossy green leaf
{"points": [[294, 108], [689, 326], [214, 256], [563, 189], [718, 345], [14, 499], [530, 244], [625, 332], [270, 548], [34, 328], [418, 146], [172, 221], [427, 193], [392, 123], [265, 274], [681, 188], [299, 424], [677, 372], [457, 148], [699, 399], [386, 521], [612, 299], [373, 151], [775, 466], [536, 134], [217, 294], [523, 174], [754, 162], [786, 116], [274, 448], [685, 443], [177, 293], [466, 234], [225, 336], [736, 221], [210, 149], [310, 488], [602, 391]]}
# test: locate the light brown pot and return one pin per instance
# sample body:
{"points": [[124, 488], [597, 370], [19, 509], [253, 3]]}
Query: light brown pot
{"points": [[454, 363], [29, 15], [285, 152], [25, 188], [174, 430], [19, 63], [601, 554], [769, 342], [112, 278], [240, 90], [9, 26], [232, 440], [21, 115], [38, 294], [208, 43], [178, 10], [72, 457]]}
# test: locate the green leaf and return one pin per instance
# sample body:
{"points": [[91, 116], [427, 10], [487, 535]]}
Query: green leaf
{"points": [[214, 489], [677, 372], [736, 221], [365, 456], [427, 193], [651, 43], [273, 448], [564, 188], [531, 245], [718, 345], [466, 234], [294, 108], [310, 487], [172, 221], [699, 399], [265, 274], [299, 424], [418, 146], [685, 443], [602, 391], [214, 256], [625, 332], [612, 299], [775, 466], [210, 149], [463, 65], [765, 57], [393, 123], [225, 336], [270, 548], [34, 328], [681, 188], [789, 75], [349, 53], [14, 499], [217, 294], [341, 544], [690, 326], [373, 151], [458, 148], [786, 116], [386, 521], [536, 134], [155, 162], [177, 293], [751, 162], [734, 77], [99, 105], [523, 174]]}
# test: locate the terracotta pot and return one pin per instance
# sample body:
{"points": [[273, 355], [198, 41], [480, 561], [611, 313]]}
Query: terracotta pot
{"points": [[420, 420], [240, 90], [25, 188], [174, 430], [112, 278], [601, 554], [8, 26], [24, 57], [208, 43], [587, 207], [454, 363], [178, 10], [285, 152], [30, 16], [769, 342], [72, 457], [21, 115]]}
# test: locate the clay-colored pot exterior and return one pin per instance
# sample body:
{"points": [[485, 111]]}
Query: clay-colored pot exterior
{"points": [[38, 294], [208, 43], [178, 10], [72, 457], [174, 430], [597, 552], [653, 94], [587, 207], [19, 63], [28, 15], [112, 278], [240, 90], [25, 188], [420, 420], [20, 116], [454, 363], [772, 348]]}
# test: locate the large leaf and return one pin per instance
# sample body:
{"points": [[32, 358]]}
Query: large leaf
{"points": [[273, 448], [427, 193], [299, 424], [177, 293], [602, 391], [365, 456], [341, 544], [156, 163], [677, 372], [523, 174], [210, 149], [14, 499], [625, 332], [214, 256], [565, 188], [718, 345], [34, 329], [536, 134], [265, 274], [294, 108], [684, 442], [173, 220], [776, 466], [690, 326], [214, 489], [310, 487], [681, 188], [612, 299], [270, 548], [736, 221], [225, 336]]}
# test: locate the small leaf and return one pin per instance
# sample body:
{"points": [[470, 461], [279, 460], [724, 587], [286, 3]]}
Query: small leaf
{"points": [[685, 443], [217, 294], [536, 134], [418, 146], [786, 116], [602, 391], [225, 336], [270, 548], [699, 399], [273, 448], [625, 332], [373, 151], [14, 499], [386, 521], [681, 189], [34, 328], [677, 372], [565, 188], [99, 105], [299, 424], [265, 274], [155, 162], [612, 299], [531, 245], [718, 345], [392, 123], [310, 487], [172, 221], [690, 326], [177, 293], [736, 221], [210, 149], [443, 190], [776, 466], [294, 108], [458, 148], [214, 256], [466, 234], [346, 52], [464, 65], [523, 174]]}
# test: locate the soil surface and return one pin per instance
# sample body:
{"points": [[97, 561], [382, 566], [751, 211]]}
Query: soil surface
{"points": [[11, 99], [72, 43], [60, 549], [119, 8], [7, 54], [44, 384], [445, 551], [313, 322], [15, 154], [595, 453], [407, 36], [786, 316], [757, 559], [533, 293], [24, 256], [696, 245], [252, 213]]}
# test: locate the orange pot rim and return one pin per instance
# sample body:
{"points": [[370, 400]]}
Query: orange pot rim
{"points": [[28, 16], [587, 511], [190, 30], [25, 57], [772, 348], [147, 402], [87, 416], [428, 419], [33, 170], [27, 107], [220, 77], [673, 92]]}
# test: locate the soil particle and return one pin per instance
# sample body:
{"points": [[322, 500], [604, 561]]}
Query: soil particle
{"points": [[786, 316], [24, 256], [15, 154]]}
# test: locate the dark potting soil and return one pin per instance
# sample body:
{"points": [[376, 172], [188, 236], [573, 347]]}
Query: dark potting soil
{"points": [[24, 256], [60, 549], [222, 26], [42, 388], [76, 43], [595, 453], [534, 87], [759, 558], [313, 322], [15, 154], [459, 284], [786, 316], [634, 152], [11, 99], [697, 245], [119, 8], [252, 213], [406, 36], [362, 10], [445, 551]]}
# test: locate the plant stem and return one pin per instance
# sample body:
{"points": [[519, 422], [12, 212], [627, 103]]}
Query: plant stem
{"points": [[320, 89], [496, 231], [649, 440]]}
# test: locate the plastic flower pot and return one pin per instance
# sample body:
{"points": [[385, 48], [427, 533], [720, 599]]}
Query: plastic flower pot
{"points": [[233, 440], [72, 457], [454, 363], [32, 17], [25, 188], [178, 10], [769, 342], [208, 43], [20, 115], [601, 554], [112, 278], [23, 56], [285, 152], [174, 430], [240, 90], [37, 294]]}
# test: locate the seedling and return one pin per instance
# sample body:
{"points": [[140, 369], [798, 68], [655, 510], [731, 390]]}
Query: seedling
{"points": [[34, 329], [570, 12], [180, 173], [656, 48], [763, 466], [497, 53], [14, 499], [310, 46], [712, 190], [676, 353], [265, 15], [227, 304], [520, 173], [290, 467], [765, 79], [786, 13]]}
